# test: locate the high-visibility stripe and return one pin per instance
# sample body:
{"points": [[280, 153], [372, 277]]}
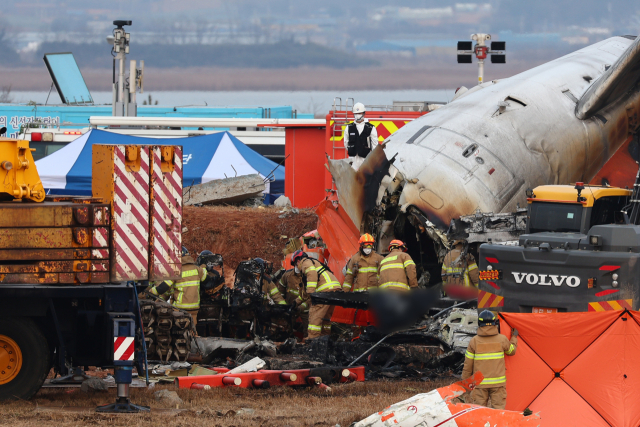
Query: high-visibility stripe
{"points": [[390, 258], [489, 356], [294, 291], [346, 286], [312, 284], [472, 266], [512, 348], [305, 305], [496, 380], [361, 290], [453, 270], [283, 302], [189, 273], [273, 291], [408, 263], [349, 271], [330, 285], [186, 306], [187, 284], [394, 285], [314, 327], [394, 265], [326, 326], [368, 270], [469, 355]]}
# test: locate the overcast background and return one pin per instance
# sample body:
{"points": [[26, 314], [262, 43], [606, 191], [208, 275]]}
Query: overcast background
{"points": [[295, 44]]}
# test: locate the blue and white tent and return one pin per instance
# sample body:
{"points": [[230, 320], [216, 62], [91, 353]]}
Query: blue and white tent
{"points": [[205, 158]]}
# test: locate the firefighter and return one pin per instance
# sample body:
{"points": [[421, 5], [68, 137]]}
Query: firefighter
{"points": [[360, 137], [485, 353], [362, 268], [397, 270], [317, 278], [295, 295], [459, 268], [184, 292], [269, 288]]}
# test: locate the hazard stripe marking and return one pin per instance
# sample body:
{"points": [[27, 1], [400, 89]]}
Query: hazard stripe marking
{"points": [[123, 348], [489, 300], [131, 211], [615, 305]]}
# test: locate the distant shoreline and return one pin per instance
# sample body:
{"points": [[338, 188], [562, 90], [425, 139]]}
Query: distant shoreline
{"points": [[436, 76]]}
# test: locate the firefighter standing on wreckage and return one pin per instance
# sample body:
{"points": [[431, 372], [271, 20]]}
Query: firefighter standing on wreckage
{"points": [[184, 292], [317, 278], [397, 270], [360, 137], [362, 269], [485, 354], [459, 267], [295, 295]]}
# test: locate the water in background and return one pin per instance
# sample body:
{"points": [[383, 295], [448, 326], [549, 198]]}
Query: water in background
{"points": [[318, 103]]}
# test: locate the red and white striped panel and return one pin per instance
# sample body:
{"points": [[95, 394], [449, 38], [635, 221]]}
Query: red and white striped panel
{"points": [[123, 348], [100, 253], [130, 248], [166, 217], [100, 237]]}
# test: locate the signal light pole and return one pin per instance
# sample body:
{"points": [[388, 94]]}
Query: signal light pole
{"points": [[481, 51]]}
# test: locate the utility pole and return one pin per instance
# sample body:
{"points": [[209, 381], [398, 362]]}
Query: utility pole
{"points": [[481, 51], [123, 92]]}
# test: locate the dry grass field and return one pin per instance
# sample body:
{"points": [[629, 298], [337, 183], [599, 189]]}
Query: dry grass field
{"points": [[278, 406]]}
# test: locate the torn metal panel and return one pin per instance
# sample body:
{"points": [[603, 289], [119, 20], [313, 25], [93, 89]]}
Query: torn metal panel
{"points": [[436, 409], [480, 227]]}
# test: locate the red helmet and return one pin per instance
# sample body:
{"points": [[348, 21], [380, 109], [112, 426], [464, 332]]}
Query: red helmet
{"points": [[366, 239], [397, 244], [297, 256]]}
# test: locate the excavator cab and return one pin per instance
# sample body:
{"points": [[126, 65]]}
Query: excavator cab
{"points": [[574, 209]]}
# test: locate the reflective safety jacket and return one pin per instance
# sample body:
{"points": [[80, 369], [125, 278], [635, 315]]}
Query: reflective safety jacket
{"points": [[362, 272], [397, 272], [271, 291], [185, 292], [295, 295], [457, 270], [485, 353], [318, 278]]}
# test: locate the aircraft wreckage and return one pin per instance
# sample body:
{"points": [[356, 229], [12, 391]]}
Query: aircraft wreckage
{"points": [[557, 123]]}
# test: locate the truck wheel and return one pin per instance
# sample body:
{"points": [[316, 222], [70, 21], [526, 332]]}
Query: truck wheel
{"points": [[24, 358]]}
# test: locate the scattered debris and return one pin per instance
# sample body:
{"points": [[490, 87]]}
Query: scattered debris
{"points": [[438, 408], [93, 385], [245, 411], [229, 190], [168, 398], [167, 330], [282, 202], [252, 365]]}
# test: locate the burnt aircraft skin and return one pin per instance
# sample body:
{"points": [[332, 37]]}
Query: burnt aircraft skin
{"points": [[557, 123]]}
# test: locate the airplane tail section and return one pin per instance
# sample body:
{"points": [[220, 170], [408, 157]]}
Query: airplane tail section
{"points": [[616, 81]]}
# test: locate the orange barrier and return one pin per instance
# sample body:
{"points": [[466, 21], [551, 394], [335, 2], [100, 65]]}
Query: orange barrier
{"points": [[576, 368]]}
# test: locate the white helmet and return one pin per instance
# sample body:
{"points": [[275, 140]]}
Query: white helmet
{"points": [[358, 108]]}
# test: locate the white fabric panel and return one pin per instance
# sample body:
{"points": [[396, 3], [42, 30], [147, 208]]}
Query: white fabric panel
{"points": [[222, 161], [54, 168]]}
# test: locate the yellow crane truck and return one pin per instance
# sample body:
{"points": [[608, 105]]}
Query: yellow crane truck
{"points": [[68, 264]]}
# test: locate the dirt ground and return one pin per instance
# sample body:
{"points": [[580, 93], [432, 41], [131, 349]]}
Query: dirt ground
{"points": [[238, 233], [278, 406]]}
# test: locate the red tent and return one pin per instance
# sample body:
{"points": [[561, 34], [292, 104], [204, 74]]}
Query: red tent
{"points": [[579, 369]]}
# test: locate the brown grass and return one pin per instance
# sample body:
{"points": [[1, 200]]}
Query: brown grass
{"points": [[241, 233], [278, 406]]}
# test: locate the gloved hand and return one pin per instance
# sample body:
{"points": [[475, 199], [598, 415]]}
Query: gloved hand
{"points": [[514, 332]]}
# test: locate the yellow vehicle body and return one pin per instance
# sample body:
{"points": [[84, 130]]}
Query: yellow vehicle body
{"points": [[20, 179], [568, 194]]}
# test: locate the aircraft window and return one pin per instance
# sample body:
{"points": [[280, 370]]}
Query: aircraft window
{"points": [[469, 150]]}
